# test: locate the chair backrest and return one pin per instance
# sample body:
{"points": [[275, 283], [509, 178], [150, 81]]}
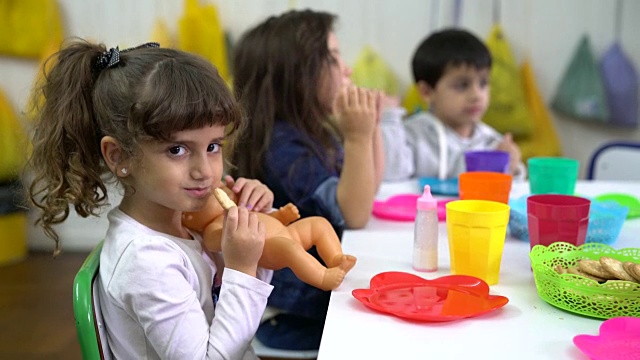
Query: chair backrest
{"points": [[92, 333], [615, 161]]}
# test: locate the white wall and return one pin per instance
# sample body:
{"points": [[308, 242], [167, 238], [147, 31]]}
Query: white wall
{"points": [[546, 31]]}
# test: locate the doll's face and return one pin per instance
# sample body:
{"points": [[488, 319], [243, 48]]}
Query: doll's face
{"points": [[335, 76]]}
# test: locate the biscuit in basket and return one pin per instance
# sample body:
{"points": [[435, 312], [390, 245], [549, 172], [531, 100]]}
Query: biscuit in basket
{"points": [[632, 269], [559, 269], [576, 271], [615, 268], [223, 199], [594, 267]]}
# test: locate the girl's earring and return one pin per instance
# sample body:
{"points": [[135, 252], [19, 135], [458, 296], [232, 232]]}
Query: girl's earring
{"points": [[124, 171]]}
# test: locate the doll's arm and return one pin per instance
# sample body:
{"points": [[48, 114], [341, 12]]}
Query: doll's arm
{"points": [[286, 214], [212, 235]]}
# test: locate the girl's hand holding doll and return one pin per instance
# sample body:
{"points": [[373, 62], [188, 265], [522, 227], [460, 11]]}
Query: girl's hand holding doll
{"points": [[243, 235], [242, 240], [251, 194]]}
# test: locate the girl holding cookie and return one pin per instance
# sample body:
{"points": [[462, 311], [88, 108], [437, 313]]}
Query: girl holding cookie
{"points": [[153, 120], [315, 142]]}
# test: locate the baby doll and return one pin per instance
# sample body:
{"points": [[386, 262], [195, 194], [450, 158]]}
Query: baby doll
{"points": [[286, 242]]}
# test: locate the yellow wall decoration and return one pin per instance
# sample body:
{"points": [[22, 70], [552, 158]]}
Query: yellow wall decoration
{"points": [[28, 27], [371, 71], [508, 111], [200, 32], [162, 35], [13, 142], [544, 140], [413, 102]]}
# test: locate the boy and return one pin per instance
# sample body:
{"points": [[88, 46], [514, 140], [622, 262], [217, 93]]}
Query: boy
{"points": [[451, 69]]}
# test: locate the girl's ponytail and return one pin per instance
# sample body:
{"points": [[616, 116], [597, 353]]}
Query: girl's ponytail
{"points": [[66, 158]]}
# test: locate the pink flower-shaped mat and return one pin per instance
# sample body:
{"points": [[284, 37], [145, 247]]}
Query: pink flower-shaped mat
{"points": [[619, 339]]}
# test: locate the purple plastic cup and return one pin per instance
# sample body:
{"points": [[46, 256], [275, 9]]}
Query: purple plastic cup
{"points": [[487, 160]]}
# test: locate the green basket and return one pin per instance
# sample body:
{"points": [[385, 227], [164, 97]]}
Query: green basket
{"points": [[581, 295]]}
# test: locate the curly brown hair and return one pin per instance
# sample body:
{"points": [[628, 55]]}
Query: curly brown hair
{"points": [[149, 94]]}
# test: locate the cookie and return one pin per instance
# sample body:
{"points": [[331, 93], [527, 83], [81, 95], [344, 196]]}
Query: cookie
{"points": [[559, 269], [223, 199], [594, 267], [615, 268], [632, 269], [576, 271]]}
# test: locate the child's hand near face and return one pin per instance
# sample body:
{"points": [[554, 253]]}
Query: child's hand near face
{"points": [[385, 102], [251, 194], [242, 240], [357, 111], [512, 148]]}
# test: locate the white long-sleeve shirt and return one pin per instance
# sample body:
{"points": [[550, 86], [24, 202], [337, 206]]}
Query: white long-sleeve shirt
{"points": [[413, 146], [156, 297]]}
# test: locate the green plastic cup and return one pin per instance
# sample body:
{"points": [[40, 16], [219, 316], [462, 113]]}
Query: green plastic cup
{"points": [[553, 175]]}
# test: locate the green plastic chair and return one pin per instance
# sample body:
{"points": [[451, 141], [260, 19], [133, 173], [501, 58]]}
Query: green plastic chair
{"points": [[92, 333]]}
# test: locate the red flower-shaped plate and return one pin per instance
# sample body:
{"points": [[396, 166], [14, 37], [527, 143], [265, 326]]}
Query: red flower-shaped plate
{"points": [[619, 339], [403, 208], [446, 298]]}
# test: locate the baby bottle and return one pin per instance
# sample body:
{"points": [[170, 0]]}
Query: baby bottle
{"points": [[425, 237]]}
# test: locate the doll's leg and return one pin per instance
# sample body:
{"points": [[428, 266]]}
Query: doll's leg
{"points": [[280, 252], [317, 231]]}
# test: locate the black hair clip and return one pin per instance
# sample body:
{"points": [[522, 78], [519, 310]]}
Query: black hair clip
{"points": [[110, 58]]}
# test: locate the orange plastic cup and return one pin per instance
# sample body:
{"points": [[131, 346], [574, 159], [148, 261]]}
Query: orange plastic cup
{"points": [[476, 230], [481, 185]]}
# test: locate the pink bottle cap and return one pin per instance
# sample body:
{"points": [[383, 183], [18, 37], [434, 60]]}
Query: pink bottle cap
{"points": [[427, 201]]}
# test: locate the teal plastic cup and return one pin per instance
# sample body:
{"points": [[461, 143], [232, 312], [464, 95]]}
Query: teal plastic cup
{"points": [[553, 175]]}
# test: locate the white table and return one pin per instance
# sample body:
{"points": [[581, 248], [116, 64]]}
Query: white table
{"points": [[526, 328]]}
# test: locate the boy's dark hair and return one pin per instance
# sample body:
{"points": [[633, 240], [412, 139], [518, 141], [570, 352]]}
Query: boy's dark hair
{"points": [[450, 47]]}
